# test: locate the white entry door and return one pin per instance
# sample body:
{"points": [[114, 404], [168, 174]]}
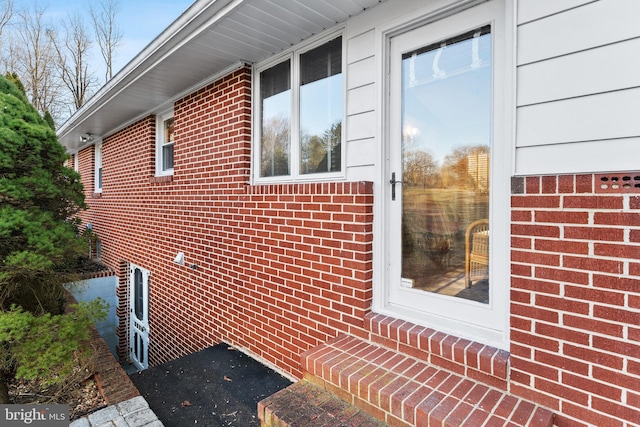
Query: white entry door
{"points": [[139, 317], [442, 154]]}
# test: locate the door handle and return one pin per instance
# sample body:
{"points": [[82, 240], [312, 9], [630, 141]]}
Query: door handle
{"points": [[393, 183]]}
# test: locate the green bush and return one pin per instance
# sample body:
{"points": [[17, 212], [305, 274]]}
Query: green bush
{"points": [[48, 347], [39, 202]]}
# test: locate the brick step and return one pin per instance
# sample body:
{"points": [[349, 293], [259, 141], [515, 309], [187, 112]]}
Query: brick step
{"points": [[304, 404], [404, 391]]}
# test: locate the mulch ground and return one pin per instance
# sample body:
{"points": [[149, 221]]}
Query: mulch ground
{"points": [[218, 386]]}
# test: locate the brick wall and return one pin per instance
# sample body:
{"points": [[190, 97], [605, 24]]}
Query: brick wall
{"points": [[575, 298], [277, 269]]}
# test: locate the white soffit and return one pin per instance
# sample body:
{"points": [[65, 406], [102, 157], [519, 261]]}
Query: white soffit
{"points": [[211, 37]]}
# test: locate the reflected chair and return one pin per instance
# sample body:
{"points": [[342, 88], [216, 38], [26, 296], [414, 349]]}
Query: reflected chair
{"points": [[477, 251]]}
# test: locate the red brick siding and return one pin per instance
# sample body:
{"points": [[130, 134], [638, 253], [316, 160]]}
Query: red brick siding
{"points": [[86, 170], [279, 268], [123, 310], [574, 328]]}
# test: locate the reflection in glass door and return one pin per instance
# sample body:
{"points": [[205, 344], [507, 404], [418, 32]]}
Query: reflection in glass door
{"points": [[446, 125]]}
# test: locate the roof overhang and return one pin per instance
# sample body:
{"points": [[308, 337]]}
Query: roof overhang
{"points": [[210, 39]]}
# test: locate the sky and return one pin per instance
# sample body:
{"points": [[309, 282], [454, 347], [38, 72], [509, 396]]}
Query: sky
{"points": [[140, 21], [447, 98]]}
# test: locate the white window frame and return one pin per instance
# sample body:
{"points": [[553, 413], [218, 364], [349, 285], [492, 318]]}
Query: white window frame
{"points": [[98, 173], [502, 167], [75, 162], [160, 143], [294, 56]]}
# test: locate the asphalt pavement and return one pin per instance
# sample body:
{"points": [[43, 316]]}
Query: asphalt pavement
{"points": [[215, 387]]}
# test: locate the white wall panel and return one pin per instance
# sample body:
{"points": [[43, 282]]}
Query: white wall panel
{"points": [[607, 68], [529, 10], [361, 99], [361, 73], [594, 24], [361, 47], [361, 173], [361, 126], [361, 152], [588, 157], [605, 116]]}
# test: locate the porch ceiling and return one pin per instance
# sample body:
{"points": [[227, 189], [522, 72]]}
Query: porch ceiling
{"points": [[208, 38]]}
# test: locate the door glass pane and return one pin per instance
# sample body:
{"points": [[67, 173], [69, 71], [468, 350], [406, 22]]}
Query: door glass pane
{"points": [[321, 108], [138, 296], [446, 140], [141, 359], [275, 120]]}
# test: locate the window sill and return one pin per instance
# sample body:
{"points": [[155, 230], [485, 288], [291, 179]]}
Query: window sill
{"points": [[161, 179], [96, 195]]}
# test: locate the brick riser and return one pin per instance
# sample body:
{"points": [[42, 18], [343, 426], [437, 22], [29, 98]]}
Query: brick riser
{"points": [[404, 391], [470, 359], [304, 404]]}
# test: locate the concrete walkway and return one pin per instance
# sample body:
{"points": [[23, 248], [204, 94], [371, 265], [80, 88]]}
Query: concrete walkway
{"points": [[130, 413]]}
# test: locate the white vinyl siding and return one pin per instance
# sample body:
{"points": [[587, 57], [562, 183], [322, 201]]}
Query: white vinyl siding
{"points": [[593, 156], [577, 89], [530, 10], [599, 116], [361, 149], [562, 81]]}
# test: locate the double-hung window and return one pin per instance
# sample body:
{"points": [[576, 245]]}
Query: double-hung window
{"points": [[164, 144], [98, 168], [300, 114]]}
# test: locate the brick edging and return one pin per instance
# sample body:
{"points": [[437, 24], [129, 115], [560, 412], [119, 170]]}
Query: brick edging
{"points": [[113, 383], [112, 380]]}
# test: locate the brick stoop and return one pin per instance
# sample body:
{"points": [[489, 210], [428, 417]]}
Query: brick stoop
{"points": [[404, 391]]}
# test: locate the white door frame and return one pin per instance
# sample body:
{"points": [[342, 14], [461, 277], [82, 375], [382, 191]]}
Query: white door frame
{"points": [[495, 331], [139, 317]]}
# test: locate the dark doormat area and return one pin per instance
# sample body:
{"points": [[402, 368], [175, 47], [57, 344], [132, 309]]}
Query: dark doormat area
{"points": [[218, 386]]}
